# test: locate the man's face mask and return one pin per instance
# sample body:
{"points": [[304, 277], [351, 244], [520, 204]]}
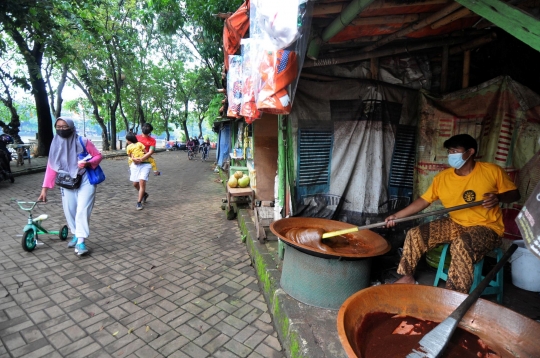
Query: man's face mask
{"points": [[456, 160], [64, 133]]}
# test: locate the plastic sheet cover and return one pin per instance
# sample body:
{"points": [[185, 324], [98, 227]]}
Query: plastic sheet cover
{"points": [[501, 114], [279, 31], [343, 163]]}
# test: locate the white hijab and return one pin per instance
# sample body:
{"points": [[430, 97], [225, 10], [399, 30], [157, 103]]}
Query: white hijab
{"points": [[63, 151]]}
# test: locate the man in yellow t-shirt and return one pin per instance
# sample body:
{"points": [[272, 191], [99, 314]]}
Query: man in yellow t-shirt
{"points": [[472, 232]]}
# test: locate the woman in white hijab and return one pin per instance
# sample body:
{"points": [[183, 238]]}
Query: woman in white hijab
{"points": [[77, 203]]}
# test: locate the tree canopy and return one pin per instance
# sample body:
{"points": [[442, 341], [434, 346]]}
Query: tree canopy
{"points": [[135, 61]]}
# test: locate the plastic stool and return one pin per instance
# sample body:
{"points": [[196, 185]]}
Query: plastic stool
{"points": [[495, 287]]}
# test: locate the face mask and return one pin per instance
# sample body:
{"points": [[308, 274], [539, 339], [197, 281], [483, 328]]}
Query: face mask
{"points": [[146, 131], [456, 160], [64, 133]]}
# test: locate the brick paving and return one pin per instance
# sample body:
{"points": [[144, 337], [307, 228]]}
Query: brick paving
{"points": [[172, 280]]}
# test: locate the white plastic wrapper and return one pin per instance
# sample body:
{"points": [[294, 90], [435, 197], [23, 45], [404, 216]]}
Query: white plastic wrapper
{"points": [[249, 77], [279, 30]]}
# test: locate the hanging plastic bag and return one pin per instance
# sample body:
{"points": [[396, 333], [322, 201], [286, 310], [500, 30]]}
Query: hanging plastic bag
{"points": [[236, 26], [275, 22], [234, 86], [278, 70], [249, 77]]}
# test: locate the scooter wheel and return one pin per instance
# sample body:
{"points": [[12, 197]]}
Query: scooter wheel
{"points": [[29, 240], [63, 234]]}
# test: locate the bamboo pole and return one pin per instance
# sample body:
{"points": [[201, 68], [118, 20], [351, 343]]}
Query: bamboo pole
{"points": [[223, 15], [328, 61], [474, 43], [321, 77], [352, 42], [374, 66], [379, 20], [330, 8], [444, 70], [451, 18], [466, 68], [414, 27]]}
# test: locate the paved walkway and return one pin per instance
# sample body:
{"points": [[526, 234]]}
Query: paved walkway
{"points": [[171, 280]]}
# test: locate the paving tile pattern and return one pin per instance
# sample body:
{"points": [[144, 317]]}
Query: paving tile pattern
{"points": [[172, 280]]}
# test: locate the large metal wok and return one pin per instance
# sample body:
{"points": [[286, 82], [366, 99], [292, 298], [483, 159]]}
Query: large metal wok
{"points": [[326, 279], [372, 244], [506, 332]]}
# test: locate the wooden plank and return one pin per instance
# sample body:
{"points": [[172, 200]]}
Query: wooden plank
{"points": [[466, 68], [374, 66], [444, 70], [378, 20], [511, 19]]}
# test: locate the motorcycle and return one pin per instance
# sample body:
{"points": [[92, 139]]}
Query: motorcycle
{"points": [[5, 158]]}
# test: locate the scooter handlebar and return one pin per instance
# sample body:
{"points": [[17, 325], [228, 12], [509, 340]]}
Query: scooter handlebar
{"points": [[27, 208]]}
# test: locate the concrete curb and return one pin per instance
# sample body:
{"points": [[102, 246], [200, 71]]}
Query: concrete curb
{"points": [[295, 333]]}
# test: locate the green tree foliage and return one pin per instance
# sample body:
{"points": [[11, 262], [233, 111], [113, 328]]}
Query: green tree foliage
{"points": [[31, 27], [135, 61], [196, 22]]}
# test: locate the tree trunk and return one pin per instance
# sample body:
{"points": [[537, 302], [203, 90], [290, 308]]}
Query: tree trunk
{"points": [[105, 143], [124, 118], [184, 126], [184, 122], [200, 126], [61, 84], [167, 114], [113, 125], [33, 58], [45, 132]]}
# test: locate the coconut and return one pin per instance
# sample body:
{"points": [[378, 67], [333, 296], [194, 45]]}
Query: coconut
{"points": [[243, 182], [238, 174], [233, 182]]}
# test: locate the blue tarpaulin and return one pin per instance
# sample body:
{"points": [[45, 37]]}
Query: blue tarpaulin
{"points": [[224, 144]]}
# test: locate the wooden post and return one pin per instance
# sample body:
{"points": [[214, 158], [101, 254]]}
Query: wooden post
{"points": [[374, 68], [466, 67], [444, 70]]}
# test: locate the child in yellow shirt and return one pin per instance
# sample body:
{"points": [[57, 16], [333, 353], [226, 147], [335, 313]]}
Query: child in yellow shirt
{"points": [[135, 149]]}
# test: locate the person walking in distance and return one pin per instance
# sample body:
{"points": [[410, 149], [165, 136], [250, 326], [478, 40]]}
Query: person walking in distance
{"points": [[141, 167], [64, 158]]}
